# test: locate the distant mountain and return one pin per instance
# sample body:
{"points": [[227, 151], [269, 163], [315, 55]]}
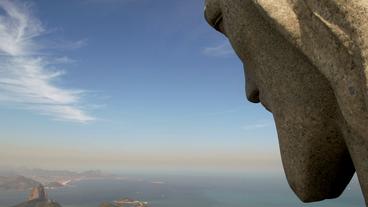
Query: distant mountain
{"points": [[51, 178], [23, 179], [94, 173], [19, 183], [38, 198], [38, 193], [54, 184], [46, 173], [59, 173]]}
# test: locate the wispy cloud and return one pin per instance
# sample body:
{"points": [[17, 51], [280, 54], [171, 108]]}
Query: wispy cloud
{"points": [[222, 50], [65, 45], [257, 125], [28, 79]]}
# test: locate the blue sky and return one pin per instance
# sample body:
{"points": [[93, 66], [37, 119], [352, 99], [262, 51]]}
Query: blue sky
{"points": [[131, 81]]}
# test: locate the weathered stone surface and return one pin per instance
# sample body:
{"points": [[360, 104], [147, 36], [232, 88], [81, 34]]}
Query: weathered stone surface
{"points": [[306, 62]]}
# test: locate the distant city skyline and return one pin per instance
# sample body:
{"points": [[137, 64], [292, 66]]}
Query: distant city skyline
{"points": [[130, 83]]}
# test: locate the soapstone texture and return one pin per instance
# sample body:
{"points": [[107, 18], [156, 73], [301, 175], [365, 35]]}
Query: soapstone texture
{"points": [[306, 62]]}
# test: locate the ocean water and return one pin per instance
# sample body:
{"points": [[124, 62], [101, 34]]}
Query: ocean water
{"points": [[188, 191]]}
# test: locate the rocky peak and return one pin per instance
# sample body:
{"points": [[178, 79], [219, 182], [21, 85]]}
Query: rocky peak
{"points": [[38, 193]]}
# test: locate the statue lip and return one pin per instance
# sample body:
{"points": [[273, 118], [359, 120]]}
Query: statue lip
{"points": [[264, 103], [266, 106]]}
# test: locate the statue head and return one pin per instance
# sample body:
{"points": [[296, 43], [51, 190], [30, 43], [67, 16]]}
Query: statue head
{"points": [[305, 62]]}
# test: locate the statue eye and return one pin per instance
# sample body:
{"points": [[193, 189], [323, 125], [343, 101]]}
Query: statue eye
{"points": [[219, 24], [213, 15]]}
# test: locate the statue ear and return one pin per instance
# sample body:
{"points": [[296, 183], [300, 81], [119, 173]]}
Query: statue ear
{"points": [[333, 35], [347, 22]]}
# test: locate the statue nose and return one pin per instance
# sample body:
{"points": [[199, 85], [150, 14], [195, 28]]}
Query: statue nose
{"points": [[252, 91]]}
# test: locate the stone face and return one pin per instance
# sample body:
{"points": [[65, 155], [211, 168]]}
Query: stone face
{"points": [[306, 62], [37, 193]]}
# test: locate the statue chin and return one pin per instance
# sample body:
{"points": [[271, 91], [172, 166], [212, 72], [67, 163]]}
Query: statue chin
{"points": [[315, 158], [311, 130]]}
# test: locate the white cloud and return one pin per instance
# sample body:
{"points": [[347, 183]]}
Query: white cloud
{"points": [[221, 50], [28, 80]]}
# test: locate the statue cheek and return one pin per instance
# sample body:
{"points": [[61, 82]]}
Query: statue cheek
{"points": [[315, 158]]}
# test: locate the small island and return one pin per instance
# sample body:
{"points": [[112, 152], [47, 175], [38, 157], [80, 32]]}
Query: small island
{"points": [[125, 202]]}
